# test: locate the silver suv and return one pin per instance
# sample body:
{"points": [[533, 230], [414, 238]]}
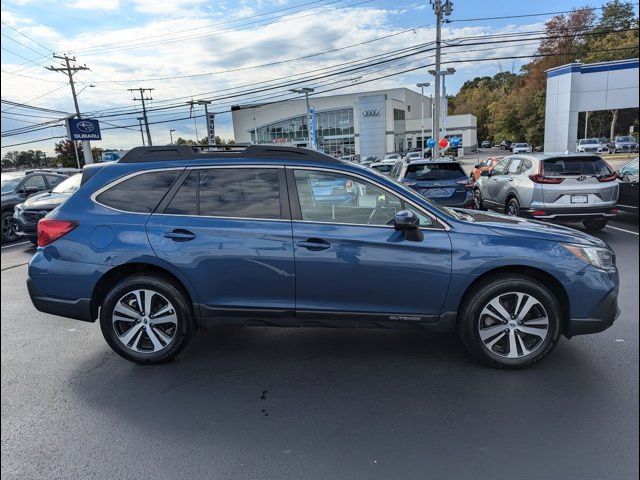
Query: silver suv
{"points": [[565, 188]]}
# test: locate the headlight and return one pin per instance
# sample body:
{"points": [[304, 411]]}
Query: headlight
{"points": [[18, 207], [598, 257]]}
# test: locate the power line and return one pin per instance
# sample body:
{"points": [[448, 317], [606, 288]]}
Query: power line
{"points": [[527, 15], [144, 108], [26, 36], [32, 141]]}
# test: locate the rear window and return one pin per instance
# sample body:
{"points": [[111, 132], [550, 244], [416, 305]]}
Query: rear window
{"points": [[575, 166], [383, 168], [625, 139], [588, 141], [139, 194], [229, 192], [434, 171]]}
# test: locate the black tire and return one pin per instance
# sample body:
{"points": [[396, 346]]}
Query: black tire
{"points": [[477, 299], [8, 227], [595, 224], [513, 207], [182, 332], [478, 203]]}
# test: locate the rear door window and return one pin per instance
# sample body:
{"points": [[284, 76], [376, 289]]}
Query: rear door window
{"points": [[34, 182], [229, 192], [567, 166], [140, 193], [54, 180], [514, 166], [501, 167], [434, 171]]}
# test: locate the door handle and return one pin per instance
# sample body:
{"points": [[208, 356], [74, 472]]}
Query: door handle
{"points": [[180, 235], [314, 244]]}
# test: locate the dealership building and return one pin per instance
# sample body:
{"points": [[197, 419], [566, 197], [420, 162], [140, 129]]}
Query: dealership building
{"points": [[365, 124]]}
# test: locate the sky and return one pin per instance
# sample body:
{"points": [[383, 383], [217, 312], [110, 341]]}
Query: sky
{"points": [[215, 46]]}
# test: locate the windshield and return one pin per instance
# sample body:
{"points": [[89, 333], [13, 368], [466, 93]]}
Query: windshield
{"points": [[575, 166], [383, 168], [70, 185], [586, 141], [10, 183], [624, 139], [434, 171]]}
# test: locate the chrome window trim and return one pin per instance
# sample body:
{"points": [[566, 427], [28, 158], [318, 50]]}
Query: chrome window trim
{"points": [[117, 181], [434, 217]]}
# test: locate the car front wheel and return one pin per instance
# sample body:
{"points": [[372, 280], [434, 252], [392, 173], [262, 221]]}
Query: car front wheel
{"points": [[511, 321], [146, 319], [8, 227]]}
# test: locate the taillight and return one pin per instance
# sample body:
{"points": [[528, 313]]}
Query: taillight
{"points": [[608, 178], [539, 178], [51, 230]]}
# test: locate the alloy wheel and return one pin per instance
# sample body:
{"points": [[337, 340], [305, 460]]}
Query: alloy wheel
{"points": [[513, 325], [8, 229], [144, 321]]}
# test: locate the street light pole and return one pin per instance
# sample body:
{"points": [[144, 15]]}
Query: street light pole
{"points": [[449, 71], [438, 74], [171, 135], [306, 91], [422, 85]]}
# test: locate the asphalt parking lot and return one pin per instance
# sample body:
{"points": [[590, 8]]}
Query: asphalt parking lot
{"points": [[265, 403]]}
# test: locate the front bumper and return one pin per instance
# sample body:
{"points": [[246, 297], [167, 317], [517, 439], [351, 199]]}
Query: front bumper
{"points": [[27, 223], [602, 318], [79, 309]]}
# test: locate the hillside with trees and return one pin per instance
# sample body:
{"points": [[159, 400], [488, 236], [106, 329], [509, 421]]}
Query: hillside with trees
{"points": [[511, 106]]}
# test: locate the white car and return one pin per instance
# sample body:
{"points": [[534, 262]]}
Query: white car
{"points": [[521, 148], [411, 156], [589, 145], [383, 166], [392, 156]]}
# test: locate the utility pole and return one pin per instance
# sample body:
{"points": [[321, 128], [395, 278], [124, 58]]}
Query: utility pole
{"points": [[442, 10], [211, 130], [144, 109], [171, 130], [70, 70], [422, 85], [141, 133]]}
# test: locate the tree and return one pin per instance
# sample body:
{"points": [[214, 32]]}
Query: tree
{"points": [[66, 154]]}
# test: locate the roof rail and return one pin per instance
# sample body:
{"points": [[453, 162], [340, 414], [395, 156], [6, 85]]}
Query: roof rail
{"points": [[196, 152]]}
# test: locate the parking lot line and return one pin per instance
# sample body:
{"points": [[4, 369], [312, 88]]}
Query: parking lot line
{"points": [[15, 244], [623, 230]]}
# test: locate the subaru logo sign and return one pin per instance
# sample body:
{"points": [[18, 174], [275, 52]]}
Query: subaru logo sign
{"points": [[85, 126], [371, 112], [83, 129]]}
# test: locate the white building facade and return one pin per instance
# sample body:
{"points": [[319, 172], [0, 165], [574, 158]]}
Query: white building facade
{"points": [[365, 124], [578, 87]]}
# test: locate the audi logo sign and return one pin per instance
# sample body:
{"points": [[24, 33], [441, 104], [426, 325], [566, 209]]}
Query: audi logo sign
{"points": [[370, 112]]}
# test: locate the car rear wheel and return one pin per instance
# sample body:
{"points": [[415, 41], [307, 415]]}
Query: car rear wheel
{"points": [[8, 227], [595, 224], [513, 207], [146, 319], [510, 322], [477, 200]]}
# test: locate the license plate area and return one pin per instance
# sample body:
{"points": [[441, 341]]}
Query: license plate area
{"points": [[579, 199]]}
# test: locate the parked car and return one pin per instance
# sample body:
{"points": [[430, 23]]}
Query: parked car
{"points": [[28, 213], [604, 144], [566, 188], [16, 188], [384, 166], [520, 148], [348, 158], [589, 145], [628, 198], [367, 161], [155, 245], [413, 156], [392, 156], [505, 145], [486, 144], [442, 181], [485, 165], [623, 144]]}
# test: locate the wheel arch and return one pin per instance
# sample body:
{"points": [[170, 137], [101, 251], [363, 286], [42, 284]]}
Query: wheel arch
{"points": [[545, 278], [119, 272]]}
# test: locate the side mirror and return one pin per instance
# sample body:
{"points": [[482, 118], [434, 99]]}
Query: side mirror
{"points": [[408, 222]]}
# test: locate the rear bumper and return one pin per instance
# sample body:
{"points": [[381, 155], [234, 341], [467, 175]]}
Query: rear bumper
{"points": [[602, 318], [571, 214], [79, 309]]}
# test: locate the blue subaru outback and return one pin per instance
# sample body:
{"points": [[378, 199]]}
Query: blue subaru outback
{"points": [[169, 239]]}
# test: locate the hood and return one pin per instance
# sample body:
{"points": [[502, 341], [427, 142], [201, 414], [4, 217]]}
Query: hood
{"points": [[521, 227], [9, 198], [45, 201]]}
